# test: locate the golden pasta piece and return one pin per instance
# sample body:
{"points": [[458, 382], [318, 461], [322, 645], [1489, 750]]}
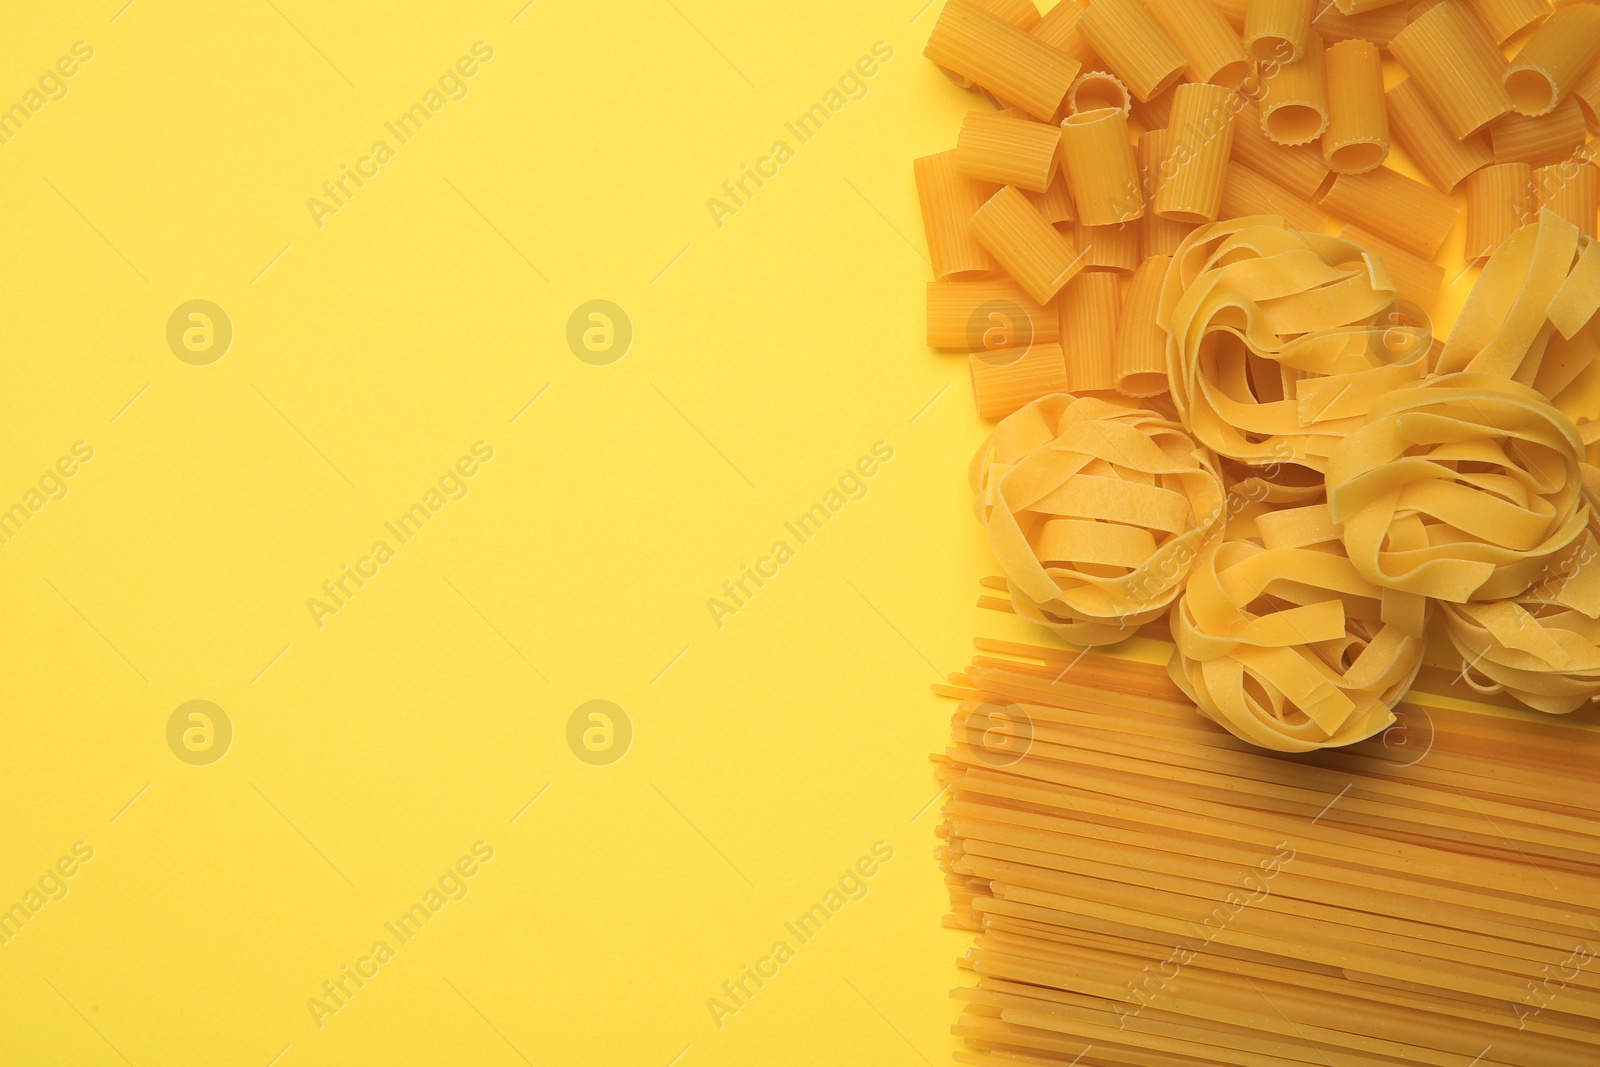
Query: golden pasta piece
{"points": [[1210, 46], [1587, 91], [1090, 306], [1236, 12], [1442, 158], [1571, 191], [1025, 245], [1115, 247], [1416, 280], [1133, 45], [1139, 361], [1001, 58], [1294, 101], [1500, 199], [1554, 136], [1280, 640], [1299, 169], [1055, 203], [1487, 496], [1155, 113], [1022, 14], [1552, 61], [1361, 7], [1458, 68], [1379, 26], [948, 200], [1277, 340], [1008, 151], [1357, 137], [1096, 512], [1200, 143], [1005, 382], [1247, 193], [1059, 30], [1275, 30], [1506, 18], [1096, 90], [1535, 648], [1576, 302], [1097, 155], [1158, 236], [1413, 215], [988, 316]]}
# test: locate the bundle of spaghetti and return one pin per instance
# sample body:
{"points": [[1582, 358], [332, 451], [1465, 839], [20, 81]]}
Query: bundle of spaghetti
{"points": [[1145, 889], [1274, 342], [1095, 511]]}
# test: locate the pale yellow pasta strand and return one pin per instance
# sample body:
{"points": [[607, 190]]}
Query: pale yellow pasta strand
{"points": [[1212, 48], [1357, 137], [948, 201], [1442, 158], [1275, 30], [1449, 55], [1139, 363], [1294, 101], [1029, 248], [1553, 60], [1203, 118], [1090, 306], [1097, 155], [1500, 198], [1135, 47]]}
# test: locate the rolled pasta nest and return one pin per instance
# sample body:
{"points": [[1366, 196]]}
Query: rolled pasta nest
{"points": [[1096, 512]]}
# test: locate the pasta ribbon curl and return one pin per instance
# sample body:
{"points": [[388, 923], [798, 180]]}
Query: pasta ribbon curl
{"points": [[1282, 642], [1278, 340], [1096, 512], [1461, 488]]}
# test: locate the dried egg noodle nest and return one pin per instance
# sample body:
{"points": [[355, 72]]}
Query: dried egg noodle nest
{"points": [[1461, 488], [1282, 642], [1275, 342], [1096, 513]]}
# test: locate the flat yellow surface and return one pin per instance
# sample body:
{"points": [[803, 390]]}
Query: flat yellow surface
{"points": [[369, 354]]}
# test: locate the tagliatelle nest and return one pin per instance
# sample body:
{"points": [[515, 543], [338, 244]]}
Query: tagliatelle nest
{"points": [[1277, 340], [1279, 639], [1096, 513], [1462, 488]]}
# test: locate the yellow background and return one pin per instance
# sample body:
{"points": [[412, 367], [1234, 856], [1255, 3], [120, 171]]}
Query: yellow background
{"points": [[769, 354]]}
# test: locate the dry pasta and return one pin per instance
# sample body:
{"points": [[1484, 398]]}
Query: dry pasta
{"points": [[1300, 169], [1500, 199], [1416, 279], [1055, 203], [1210, 46], [1294, 102], [1024, 244], [987, 316], [948, 200], [1117, 246], [1379, 26], [1357, 136], [1506, 18], [1556, 135], [1200, 141], [1090, 306], [1456, 66], [1442, 158], [1415, 216], [1003, 383], [1137, 49], [1248, 193], [1158, 236], [1001, 58], [1059, 30], [1095, 90], [1020, 13], [1007, 151], [1587, 91], [1552, 60], [1097, 154], [1275, 30], [1139, 361], [1571, 191]]}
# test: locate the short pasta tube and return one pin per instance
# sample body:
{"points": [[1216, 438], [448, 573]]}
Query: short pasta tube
{"points": [[1203, 117], [1275, 30], [1090, 306], [1506, 18], [1357, 137], [988, 316], [1570, 190], [1547, 138], [1551, 61], [1133, 45], [1007, 151], [1157, 236], [1210, 46], [1442, 158], [1247, 193], [1002, 383], [1299, 169], [1500, 198], [1031, 250], [1294, 100], [1415, 216], [948, 201], [1116, 247], [1001, 58], [1098, 89], [1449, 55], [1097, 155], [1139, 360]]}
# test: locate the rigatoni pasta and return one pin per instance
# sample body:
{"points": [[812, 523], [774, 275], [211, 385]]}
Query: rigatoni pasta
{"points": [[1001, 58], [1008, 151], [1357, 136], [1097, 155], [948, 201], [1201, 141], [1275, 30], [1246, 193], [1021, 241], [988, 316], [1553, 136], [1458, 68], [1001, 385], [1115, 247], [1506, 18], [1139, 361], [1097, 89], [1210, 46], [1158, 236], [1135, 47], [1294, 100], [1380, 26], [1059, 30], [1416, 280], [1090, 307], [1552, 60], [1055, 203], [1500, 198], [1414, 216], [1300, 169], [1442, 158], [1571, 191]]}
